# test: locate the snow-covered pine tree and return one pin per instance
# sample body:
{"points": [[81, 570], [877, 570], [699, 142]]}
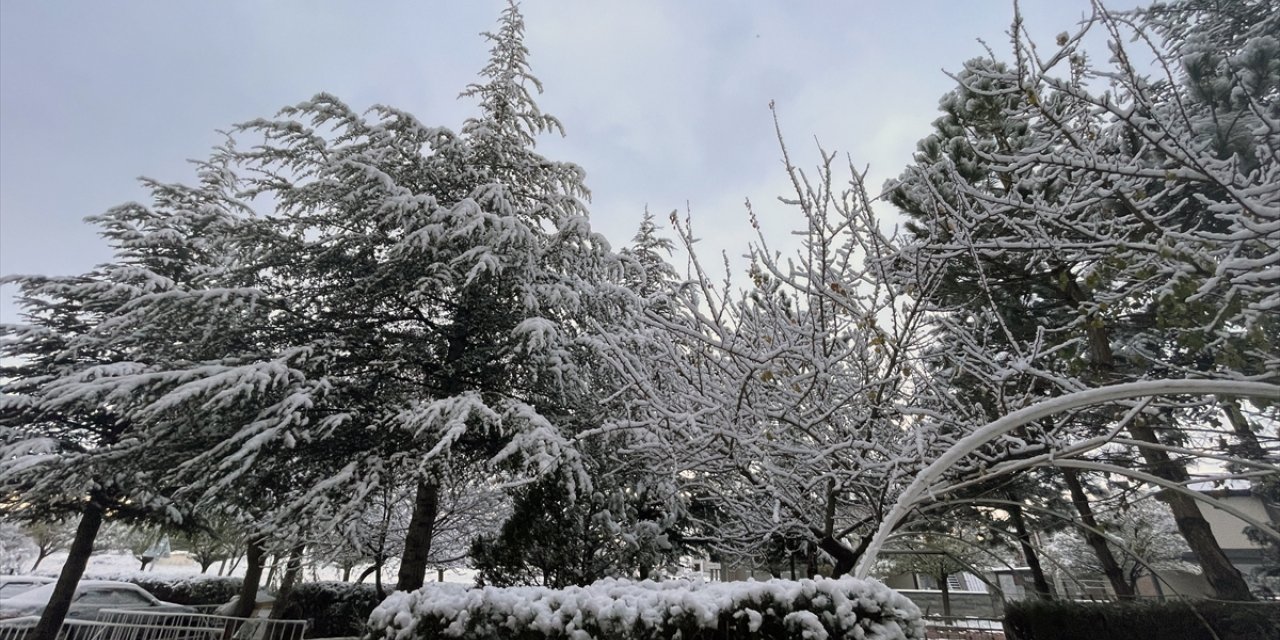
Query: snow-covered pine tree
{"points": [[436, 279], [993, 306], [408, 300], [74, 447], [1154, 239]]}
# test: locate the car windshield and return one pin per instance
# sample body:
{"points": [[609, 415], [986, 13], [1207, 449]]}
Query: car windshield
{"points": [[10, 589], [38, 595], [102, 594]]}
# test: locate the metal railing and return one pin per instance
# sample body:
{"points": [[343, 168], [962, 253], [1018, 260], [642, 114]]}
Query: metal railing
{"points": [[132, 624], [955, 628]]}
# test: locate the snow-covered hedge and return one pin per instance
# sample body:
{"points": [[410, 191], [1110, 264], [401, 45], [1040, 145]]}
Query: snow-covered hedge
{"points": [[819, 609], [188, 589]]}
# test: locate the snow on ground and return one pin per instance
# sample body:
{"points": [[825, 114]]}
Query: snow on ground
{"points": [[178, 565]]}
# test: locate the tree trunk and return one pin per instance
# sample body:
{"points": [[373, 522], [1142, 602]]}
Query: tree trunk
{"points": [[271, 572], [41, 554], [1249, 446], [255, 556], [1033, 559], [1110, 568], [77, 559], [946, 595], [417, 539], [1223, 576], [368, 572], [346, 573], [844, 557], [290, 578]]}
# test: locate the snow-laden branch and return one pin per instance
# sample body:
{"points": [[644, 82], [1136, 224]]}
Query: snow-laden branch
{"points": [[911, 496]]}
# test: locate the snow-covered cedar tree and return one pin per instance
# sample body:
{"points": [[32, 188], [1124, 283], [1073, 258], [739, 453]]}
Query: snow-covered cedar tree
{"points": [[777, 408], [1102, 226], [70, 448], [402, 300], [1143, 534]]}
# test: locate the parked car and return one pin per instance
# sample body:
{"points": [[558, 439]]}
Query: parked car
{"points": [[13, 585], [91, 596]]}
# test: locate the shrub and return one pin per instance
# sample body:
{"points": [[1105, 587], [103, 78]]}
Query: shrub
{"points": [[193, 590], [624, 610], [334, 608], [1171, 620]]}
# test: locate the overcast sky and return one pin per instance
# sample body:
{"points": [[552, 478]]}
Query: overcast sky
{"points": [[665, 103]]}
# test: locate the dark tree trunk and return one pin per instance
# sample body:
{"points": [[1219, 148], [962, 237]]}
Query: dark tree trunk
{"points": [[417, 540], [271, 572], [290, 578], [1223, 576], [255, 557], [845, 558], [346, 573], [41, 554], [1029, 551], [1110, 568], [1249, 446], [368, 572], [77, 559], [946, 596]]}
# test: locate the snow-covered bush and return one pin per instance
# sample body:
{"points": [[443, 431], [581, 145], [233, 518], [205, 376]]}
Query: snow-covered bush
{"points": [[821, 609], [192, 590], [186, 589]]}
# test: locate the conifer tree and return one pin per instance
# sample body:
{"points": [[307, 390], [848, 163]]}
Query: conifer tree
{"points": [[407, 301], [71, 446], [1141, 236]]}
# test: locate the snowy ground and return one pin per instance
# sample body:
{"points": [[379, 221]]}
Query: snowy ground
{"points": [[107, 565]]}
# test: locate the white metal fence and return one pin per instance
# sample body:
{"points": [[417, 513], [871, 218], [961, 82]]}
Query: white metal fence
{"points": [[957, 628], [126, 624]]}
